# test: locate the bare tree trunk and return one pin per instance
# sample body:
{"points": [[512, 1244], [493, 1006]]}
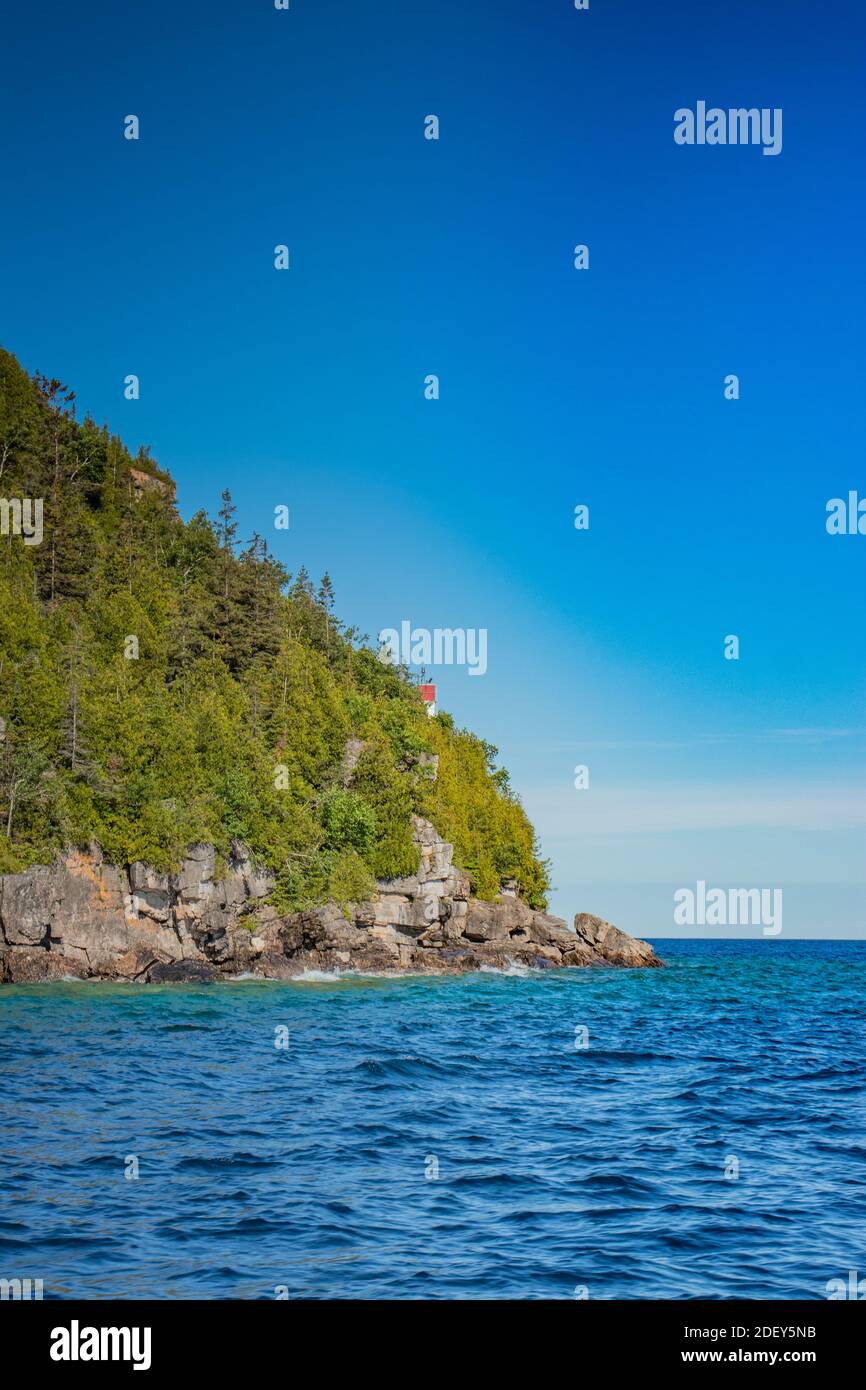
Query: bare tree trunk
{"points": [[74, 747]]}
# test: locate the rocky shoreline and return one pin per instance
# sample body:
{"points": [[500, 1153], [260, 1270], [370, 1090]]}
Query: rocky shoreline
{"points": [[83, 918]]}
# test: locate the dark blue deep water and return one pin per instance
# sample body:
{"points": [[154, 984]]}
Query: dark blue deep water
{"points": [[312, 1168]]}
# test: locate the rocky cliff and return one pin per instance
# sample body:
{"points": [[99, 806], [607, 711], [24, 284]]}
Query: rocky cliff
{"points": [[86, 919]]}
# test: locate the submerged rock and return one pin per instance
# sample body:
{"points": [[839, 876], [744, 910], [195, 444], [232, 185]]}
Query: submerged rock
{"points": [[85, 919]]}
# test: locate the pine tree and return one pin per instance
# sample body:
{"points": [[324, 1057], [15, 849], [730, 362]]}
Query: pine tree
{"points": [[227, 532], [326, 603]]}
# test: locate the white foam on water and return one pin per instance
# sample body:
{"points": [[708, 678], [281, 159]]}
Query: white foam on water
{"points": [[316, 977], [345, 976], [513, 967]]}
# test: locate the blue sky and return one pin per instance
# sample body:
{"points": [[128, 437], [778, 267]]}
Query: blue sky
{"points": [[558, 387]]}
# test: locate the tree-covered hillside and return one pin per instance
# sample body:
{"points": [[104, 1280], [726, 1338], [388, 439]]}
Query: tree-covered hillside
{"points": [[164, 683]]}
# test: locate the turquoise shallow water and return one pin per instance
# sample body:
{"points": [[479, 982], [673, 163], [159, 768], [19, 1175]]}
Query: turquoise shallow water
{"points": [[312, 1168]]}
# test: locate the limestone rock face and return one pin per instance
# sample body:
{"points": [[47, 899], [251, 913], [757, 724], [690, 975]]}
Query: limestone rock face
{"points": [[145, 482], [351, 753], [85, 919], [28, 900], [196, 881], [422, 898]]}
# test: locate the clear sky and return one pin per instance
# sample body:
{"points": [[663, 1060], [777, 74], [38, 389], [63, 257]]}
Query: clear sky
{"points": [[558, 387]]}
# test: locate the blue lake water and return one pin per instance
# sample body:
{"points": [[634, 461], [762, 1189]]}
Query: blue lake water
{"points": [[312, 1168]]}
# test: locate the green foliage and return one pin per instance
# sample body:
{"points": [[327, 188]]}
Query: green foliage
{"points": [[226, 718], [350, 880], [389, 793], [348, 821]]}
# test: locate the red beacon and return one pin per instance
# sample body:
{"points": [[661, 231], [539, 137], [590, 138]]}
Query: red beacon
{"points": [[428, 695]]}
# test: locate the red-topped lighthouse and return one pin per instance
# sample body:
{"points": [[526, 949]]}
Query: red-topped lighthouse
{"points": [[428, 695]]}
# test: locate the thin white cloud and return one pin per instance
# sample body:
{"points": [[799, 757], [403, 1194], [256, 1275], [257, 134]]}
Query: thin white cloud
{"points": [[665, 808], [814, 735]]}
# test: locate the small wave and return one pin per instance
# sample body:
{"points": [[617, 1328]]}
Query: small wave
{"points": [[215, 1164], [185, 1028], [406, 1066], [618, 1182], [491, 1180], [847, 1069], [623, 1055]]}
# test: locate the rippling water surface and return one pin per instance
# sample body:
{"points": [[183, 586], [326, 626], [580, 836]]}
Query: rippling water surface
{"points": [[312, 1167]]}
